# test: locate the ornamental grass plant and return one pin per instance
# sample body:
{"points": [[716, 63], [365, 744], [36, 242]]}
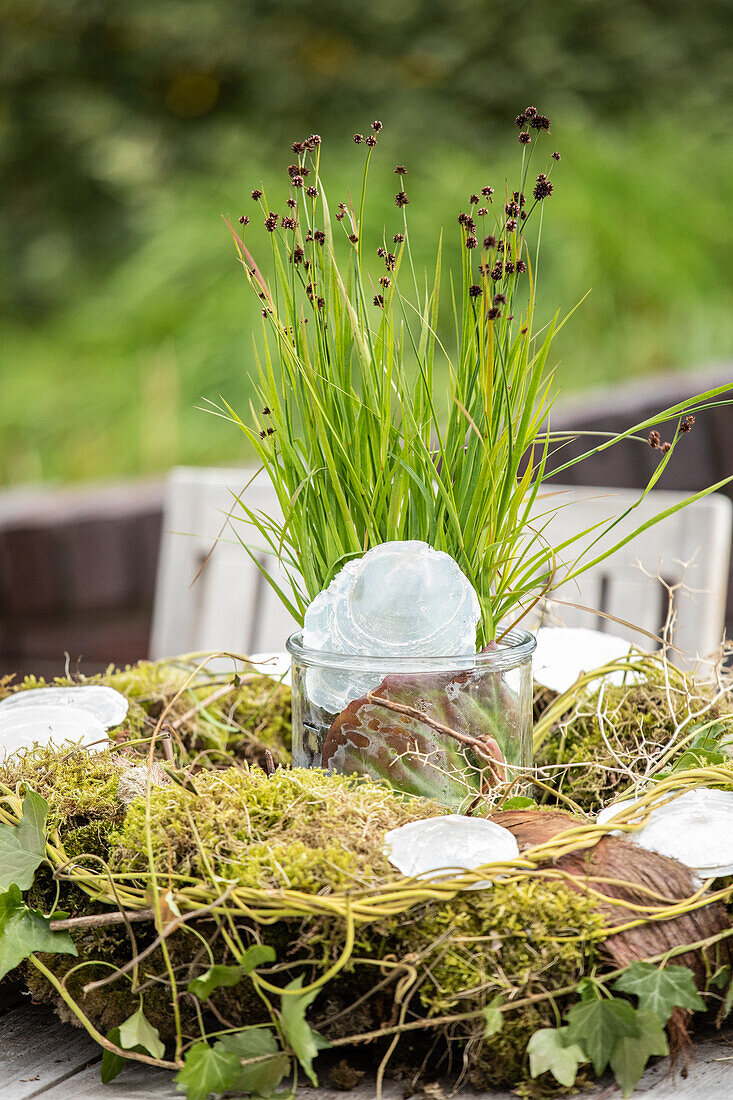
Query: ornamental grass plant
{"points": [[349, 425]]}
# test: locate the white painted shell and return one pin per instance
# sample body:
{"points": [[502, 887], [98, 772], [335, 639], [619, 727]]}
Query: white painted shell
{"points": [[696, 828], [439, 847], [23, 727], [565, 653], [108, 706], [401, 599]]}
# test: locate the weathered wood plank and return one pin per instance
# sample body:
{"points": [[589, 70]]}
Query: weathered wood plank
{"points": [[38, 1051], [41, 1057]]}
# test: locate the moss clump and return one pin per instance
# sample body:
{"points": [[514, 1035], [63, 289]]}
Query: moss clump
{"points": [[297, 829], [79, 786], [242, 717], [624, 729], [514, 940]]}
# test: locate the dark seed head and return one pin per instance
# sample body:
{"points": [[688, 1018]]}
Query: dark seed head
{"points": [[521, 267], [244, 220], [400, 170], [378, 300], [401, 199], [473, 200], [256, 194], [271, 222], [493, 313], [511, 225], [358, 138], [521, 120], [524, 137], [490, 241], [398, 238], [370, 141], [499, 300], [292, 203], [543, 188], [654, 440], [475, 291], [385, 280], [665, 448], [312, 192], [487, 192], [471, 241], [353, 238], [555, 156], [540, 122], [319, 236], [687, 423], [376, 126], [530, 112]]}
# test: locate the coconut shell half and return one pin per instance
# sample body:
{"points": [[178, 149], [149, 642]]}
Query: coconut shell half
{"points": [[618, 859]]}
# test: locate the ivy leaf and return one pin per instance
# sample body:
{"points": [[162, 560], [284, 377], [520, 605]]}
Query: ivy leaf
{"points": [[112, 1064], [298, 1034], [660, 990], [255, 955], [596, 1025], [214, 978], [137, 1031], [23, 846], [136, 1034], [493, 1016], [207, 1069], [262, 1078], [632, 1052], [549, 1049], [24, 930]]}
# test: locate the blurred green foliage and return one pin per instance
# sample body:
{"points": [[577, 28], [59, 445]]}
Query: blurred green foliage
{"points": [[128, 128]]}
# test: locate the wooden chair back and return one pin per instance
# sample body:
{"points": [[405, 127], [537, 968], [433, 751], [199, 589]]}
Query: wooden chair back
{"points": [[231, 607]]}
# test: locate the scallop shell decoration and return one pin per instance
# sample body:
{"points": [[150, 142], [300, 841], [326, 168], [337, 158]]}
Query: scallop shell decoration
{"points": [[57, 715], [401, 599], [696, 828], [441, 847]]}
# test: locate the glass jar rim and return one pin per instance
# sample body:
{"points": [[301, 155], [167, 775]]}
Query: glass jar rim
{"points": [[517, 645]]}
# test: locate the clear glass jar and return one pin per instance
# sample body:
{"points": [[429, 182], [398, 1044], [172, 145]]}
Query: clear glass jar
{"points": [[445, 727]]}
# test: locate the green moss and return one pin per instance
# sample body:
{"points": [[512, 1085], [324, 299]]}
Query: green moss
{"points": [[211, 714], [297, 829], [78, 786], [516, 940], [632, 725]]}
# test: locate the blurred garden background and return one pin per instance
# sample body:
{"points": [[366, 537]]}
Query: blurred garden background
{"points": [[127, 129]]}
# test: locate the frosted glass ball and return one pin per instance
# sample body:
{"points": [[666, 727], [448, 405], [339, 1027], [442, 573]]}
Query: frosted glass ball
{"points": [[401, 599]]}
